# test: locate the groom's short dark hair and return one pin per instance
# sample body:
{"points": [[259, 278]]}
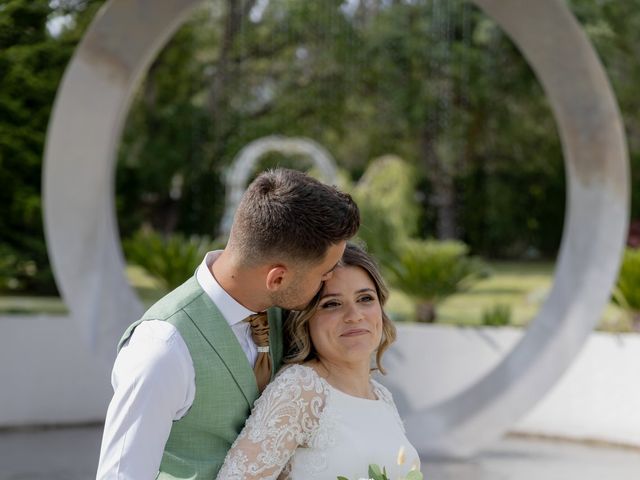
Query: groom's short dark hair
{"points": [[287, 213]]}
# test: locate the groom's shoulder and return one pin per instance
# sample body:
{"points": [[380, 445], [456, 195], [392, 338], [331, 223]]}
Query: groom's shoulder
{"points": [[174, 301]]}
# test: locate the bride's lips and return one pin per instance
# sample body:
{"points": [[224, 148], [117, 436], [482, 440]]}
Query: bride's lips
{"points": [[354, 332]]}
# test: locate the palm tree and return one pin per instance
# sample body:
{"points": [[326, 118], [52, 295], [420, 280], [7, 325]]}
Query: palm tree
{"points": [[429, 271], [627, 291]]}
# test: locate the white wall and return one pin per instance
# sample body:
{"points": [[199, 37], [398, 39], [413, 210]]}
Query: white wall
{"points": [[598, 398], [47, 376]]}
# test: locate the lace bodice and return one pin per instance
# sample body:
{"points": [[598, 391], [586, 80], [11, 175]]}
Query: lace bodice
{"points": [[302, 427]]}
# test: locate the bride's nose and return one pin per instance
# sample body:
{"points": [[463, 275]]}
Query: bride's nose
{"points": [[352, 313]]}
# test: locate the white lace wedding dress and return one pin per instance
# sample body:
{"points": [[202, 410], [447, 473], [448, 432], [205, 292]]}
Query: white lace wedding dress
{"points": [[303, 428]]}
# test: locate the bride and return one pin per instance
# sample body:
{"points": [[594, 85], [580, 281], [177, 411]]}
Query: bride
{"points": [[323, 416]]}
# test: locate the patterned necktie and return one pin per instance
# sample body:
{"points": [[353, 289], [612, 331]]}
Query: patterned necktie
{"points": [[260, 333]]}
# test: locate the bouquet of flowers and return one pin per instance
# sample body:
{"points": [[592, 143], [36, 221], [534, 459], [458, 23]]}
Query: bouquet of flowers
{"points": [[376, 474]]}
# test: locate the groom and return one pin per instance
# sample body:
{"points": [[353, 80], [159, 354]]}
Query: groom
{"points": [[188, 372]]}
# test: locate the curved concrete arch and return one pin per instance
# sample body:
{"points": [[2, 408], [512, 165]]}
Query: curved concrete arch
{"points": [[240, 171], [85, 252], [597, 212], [79, 163]]}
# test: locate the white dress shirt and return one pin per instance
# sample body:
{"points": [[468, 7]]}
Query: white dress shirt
{"points": [[154, 384]]}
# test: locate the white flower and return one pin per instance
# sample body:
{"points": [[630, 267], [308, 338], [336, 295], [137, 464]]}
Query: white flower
{"points": [[401, 457]]}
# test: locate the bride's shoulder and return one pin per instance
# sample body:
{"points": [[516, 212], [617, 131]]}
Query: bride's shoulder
{"points": [[297, 370], [382, 392], [303, 376]]}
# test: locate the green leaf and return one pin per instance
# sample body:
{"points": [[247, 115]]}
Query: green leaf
{"points": [[414, 475], [375, 473], [342, 478]]}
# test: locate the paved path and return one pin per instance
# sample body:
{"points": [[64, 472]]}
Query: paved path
{"points": [[528, 459], [71, 454]]}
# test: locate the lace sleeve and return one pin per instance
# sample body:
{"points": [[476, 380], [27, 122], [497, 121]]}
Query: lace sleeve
{"points": [[283, 418]]}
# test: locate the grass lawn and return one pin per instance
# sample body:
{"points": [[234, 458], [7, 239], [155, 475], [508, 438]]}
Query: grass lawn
{"points": [[523, 286], [21, 305], [147, 287]]}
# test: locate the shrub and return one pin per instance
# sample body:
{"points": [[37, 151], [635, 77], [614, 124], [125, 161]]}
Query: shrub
{"points": [[378, 235], [386, 195], [8, 269], [498, 315], [429, 271], [172, 259], [627, 291], [26, 269], [426, 270]]}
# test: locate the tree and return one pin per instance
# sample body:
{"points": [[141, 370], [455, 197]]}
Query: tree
{"points": [[31, 64], [442, 86], [227, 77]]}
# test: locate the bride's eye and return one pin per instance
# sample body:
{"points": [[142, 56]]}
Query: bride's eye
{"points": [[330, 304], [367, 298]]}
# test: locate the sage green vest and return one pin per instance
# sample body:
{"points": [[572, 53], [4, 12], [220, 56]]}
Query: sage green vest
{"points": [[225, 384]]}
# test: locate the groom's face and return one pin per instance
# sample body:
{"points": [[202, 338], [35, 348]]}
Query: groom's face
{"points": [[307, 281]]}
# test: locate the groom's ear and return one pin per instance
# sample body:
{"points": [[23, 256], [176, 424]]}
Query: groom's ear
{"points": [[276, 276]]}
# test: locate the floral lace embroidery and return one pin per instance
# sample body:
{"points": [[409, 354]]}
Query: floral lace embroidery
{"points": [[285, 417], [324, 435]]}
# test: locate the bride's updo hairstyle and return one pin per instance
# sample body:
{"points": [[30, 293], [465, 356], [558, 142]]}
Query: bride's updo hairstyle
{"points": [[298, 345]]}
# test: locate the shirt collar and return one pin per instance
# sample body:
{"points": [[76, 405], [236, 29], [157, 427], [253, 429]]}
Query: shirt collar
{"points": [[230, 309]]}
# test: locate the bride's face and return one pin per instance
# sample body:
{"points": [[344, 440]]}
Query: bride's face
{"points": [[347, 326]]}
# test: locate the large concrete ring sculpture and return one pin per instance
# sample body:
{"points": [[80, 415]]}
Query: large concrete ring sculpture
{"points": [[240, 172], [85, 249]]}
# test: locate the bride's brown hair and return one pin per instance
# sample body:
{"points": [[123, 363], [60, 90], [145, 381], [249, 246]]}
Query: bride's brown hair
{"points": [[298, 345]]}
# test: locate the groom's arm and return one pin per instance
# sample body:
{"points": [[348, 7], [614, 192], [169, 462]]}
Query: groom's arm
{"points": [[153, 381]]}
